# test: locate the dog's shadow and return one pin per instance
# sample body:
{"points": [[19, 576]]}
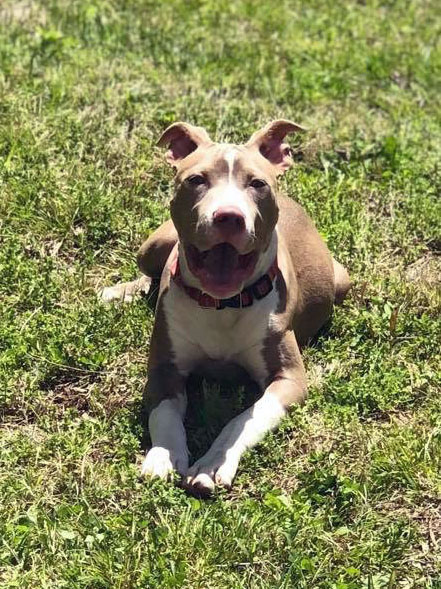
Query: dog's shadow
{"points": [[211, 404]]}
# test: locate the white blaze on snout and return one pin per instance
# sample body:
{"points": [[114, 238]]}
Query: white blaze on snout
{"points": [[230, 156], [229, 194]]}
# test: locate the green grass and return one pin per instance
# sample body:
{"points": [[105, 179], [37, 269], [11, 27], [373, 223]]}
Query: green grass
{"points": [[347, 494]]}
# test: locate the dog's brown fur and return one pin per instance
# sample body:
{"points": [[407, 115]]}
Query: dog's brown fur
{"points": [[309, 282]]}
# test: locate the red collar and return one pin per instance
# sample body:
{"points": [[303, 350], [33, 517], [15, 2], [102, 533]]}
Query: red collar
{"points": [[258, 290]]}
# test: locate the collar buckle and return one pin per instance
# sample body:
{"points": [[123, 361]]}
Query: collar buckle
{"points": [[240, 301], [208, 302]]}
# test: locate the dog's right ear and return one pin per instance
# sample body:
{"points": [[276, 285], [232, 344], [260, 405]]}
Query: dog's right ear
{"points": [[182, 139], [269, 142]]}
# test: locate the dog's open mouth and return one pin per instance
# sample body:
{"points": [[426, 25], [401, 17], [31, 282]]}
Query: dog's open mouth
{"points": [[221, 270]]}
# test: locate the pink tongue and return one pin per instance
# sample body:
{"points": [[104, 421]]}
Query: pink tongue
{"points": [[221, 261]]}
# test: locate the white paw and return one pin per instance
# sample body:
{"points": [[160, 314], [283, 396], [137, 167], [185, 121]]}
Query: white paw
{"points": [[161, 462], [125, 292], [115, 293], [214, 468]]}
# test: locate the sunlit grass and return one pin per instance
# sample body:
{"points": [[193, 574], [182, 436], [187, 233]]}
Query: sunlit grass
{"points": [[347, 494]]}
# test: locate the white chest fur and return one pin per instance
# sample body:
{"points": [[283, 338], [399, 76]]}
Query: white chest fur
{"points": [[227, 335]]}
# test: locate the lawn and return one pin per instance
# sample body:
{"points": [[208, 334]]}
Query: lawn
{"points": [[347, 493]]}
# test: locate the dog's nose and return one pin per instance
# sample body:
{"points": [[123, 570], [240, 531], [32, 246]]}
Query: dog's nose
{"points": [[229, 219]]}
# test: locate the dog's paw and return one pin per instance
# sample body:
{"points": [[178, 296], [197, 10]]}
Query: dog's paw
{"points": [[215, 468], [125, 292], [160, 462], [115, 293]]}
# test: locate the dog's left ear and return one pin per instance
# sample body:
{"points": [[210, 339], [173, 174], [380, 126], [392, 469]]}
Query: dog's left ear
{"points": [[269, 141], [182, 139]]}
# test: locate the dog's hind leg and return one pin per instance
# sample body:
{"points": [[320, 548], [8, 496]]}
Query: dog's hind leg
{"points": [[154, 252], [125, 292]]}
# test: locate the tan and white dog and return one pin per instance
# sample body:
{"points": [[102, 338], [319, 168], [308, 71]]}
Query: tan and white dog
{"points": [[244, 279]]}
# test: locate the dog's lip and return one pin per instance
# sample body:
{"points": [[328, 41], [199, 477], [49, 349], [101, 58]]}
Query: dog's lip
{"points": [[221, 269]]}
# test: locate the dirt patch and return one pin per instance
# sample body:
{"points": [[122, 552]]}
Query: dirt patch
{"points": [[425, 514], [101, 397], [74, 393], [426, 269]]}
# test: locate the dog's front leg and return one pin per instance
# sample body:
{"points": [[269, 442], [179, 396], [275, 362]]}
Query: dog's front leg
{"points": [[219, 464], [166, 395]]}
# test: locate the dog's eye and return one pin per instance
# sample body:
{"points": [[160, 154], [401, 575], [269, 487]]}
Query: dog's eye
{"points": [[196, 180], [257, 183]]}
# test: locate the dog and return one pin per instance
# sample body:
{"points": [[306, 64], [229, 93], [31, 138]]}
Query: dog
{"points": [[245, 279]]}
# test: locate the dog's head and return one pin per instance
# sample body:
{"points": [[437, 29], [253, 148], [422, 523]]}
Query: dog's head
{"points": [[224, 206]]}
